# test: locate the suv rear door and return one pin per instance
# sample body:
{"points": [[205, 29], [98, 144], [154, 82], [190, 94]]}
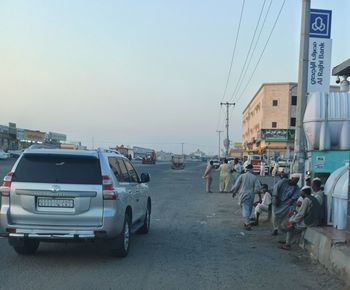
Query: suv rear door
{"points": [[57, 190]]}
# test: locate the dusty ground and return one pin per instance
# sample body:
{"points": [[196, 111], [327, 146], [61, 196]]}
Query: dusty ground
{"points": [[196, 242]]}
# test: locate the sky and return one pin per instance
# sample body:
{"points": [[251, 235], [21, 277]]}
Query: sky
{"points": [[146, 73]]}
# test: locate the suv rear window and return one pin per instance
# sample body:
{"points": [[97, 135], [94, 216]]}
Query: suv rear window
{"points": [[49, 168]]}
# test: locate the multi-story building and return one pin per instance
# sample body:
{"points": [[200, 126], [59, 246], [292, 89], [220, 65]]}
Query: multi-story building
{"points": [[269, 120]]}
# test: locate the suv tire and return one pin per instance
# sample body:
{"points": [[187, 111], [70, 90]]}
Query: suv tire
{"points": [[121, 244], [147, 222], [25, 246]]}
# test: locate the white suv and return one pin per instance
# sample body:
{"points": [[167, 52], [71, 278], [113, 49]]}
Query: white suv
{"points": [[63, 195]]}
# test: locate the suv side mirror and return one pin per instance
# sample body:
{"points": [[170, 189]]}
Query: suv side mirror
{"points": [[145, 178]]}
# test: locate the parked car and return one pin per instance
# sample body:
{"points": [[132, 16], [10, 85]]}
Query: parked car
{"points": [[283, 165], [15, 153], [216, 163], [4, 155], [69, 195]]}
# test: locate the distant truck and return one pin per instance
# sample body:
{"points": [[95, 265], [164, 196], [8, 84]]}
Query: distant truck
{"points": [[126, 151], [149, 158], [178, 162], [255, 160]]}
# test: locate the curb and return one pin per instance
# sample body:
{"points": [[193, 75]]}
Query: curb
{"points": [[328, 246]]}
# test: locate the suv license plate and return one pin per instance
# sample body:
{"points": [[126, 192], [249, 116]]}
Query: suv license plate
{"points": [[54, 202]]}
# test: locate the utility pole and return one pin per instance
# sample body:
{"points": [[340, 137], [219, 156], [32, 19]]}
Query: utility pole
{"points": [[218, 131], [227, 141], [299, 145]]}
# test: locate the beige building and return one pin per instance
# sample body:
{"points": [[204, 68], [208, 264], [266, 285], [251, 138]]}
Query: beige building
{"points": [[269, 120]]}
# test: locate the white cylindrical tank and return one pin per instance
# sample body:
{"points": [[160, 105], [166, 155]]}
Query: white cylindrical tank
{"points": [[327, 131], [336, 191]]}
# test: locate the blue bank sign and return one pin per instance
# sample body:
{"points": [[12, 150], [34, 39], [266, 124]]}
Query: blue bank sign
{"points": [[320, 49], [320, 23]]}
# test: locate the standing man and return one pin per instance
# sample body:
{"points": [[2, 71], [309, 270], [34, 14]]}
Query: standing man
{"points": [[245, 164], [275, 169], [262, 168], [285, 194], [317, 191], [225, 172], [207, 176], [319, 195], [236, 171], [247, 185]]}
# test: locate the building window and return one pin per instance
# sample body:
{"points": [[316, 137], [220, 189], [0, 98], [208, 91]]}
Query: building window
{"points": [[274, 124], [294, 100], [293, 122], [274, 103]]}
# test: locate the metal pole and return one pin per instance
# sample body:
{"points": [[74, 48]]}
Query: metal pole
{"points": [[227, 144], [218, 131], [227, 129], [348, 217], [299, 145], [182, 148]]}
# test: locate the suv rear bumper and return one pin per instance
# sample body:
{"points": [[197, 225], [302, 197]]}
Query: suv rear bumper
{"points": [[56, 236], [111, 228]]}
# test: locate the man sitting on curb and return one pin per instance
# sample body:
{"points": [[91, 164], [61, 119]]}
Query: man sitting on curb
{"points": [[263, 205], [307, 216]]}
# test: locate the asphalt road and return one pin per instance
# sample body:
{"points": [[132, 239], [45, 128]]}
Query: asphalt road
{"points": [[196, 242]]}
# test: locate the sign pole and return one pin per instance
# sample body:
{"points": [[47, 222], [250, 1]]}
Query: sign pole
{"points": [[299, 145]]}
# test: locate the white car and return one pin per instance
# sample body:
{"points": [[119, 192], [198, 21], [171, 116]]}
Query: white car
{"points": [[15, 153], [4, 155]]}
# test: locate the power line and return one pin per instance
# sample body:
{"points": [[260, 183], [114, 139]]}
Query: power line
{"points": [[262, 53], [249, 50], [255, 46], [234, 50]]}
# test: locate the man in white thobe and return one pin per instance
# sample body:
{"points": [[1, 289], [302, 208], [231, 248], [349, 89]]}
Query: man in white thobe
{"points": [[246, 186], [225, 173]]}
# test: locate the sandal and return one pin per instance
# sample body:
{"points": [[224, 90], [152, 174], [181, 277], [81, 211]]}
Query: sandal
{"points": [[285, 247], [247, 227]]}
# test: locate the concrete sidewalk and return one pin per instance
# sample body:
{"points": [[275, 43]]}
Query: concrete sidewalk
{"points": [[328, 246]]}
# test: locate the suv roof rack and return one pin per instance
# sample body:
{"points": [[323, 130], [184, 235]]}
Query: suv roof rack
{"points": [[108, 150], [43, 146]]}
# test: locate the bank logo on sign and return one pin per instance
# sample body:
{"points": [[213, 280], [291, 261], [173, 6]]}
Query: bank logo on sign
{"points": [[320, 23]]}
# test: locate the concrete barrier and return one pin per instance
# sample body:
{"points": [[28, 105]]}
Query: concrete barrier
{"points": [[328, 246]]}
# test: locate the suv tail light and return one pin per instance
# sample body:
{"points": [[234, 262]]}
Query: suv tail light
{"points": [[107, 188], [6, 185]]}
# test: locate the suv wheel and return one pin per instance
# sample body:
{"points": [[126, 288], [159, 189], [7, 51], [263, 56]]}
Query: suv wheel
{"points": [[147, 222], [25, 246], [122, 242]]}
